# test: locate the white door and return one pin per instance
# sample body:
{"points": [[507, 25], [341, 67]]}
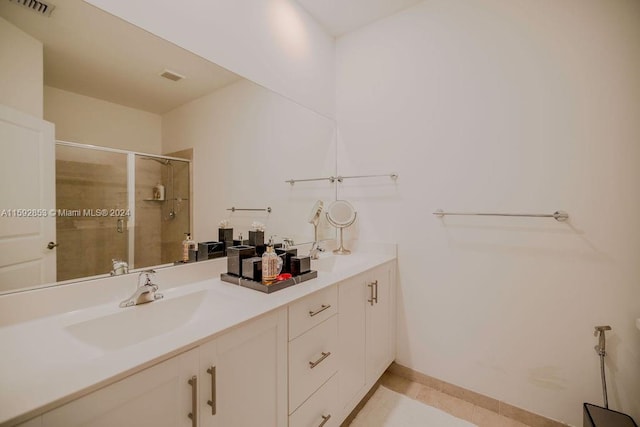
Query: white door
{"points": [[160, 396], [27, 196]]}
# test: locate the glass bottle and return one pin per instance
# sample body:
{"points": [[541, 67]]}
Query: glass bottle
{"points": [[271, 265]]}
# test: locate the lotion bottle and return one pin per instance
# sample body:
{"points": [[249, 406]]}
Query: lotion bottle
{"points": [[271, 264], [187, 244]]}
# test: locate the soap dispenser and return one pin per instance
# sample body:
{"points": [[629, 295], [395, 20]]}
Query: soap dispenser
{"points": [[187, 244], [271, 264], [158, 192]]}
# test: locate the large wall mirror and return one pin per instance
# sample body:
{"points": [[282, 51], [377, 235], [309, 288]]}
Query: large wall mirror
{"points": [[165, 155]]}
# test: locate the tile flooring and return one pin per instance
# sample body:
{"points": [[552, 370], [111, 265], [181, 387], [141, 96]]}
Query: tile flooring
{"points": [[457, 407]]}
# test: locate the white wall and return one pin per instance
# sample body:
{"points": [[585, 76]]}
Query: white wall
{"points": [[507, 106], [247, 141], [20, 70], [87, 120], [275, 43]]}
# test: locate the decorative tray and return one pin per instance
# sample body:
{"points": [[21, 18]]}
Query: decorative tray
{"points": [[276, 286]]}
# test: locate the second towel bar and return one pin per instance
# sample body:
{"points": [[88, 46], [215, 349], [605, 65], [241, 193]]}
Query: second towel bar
{"points": [[557, 215]]}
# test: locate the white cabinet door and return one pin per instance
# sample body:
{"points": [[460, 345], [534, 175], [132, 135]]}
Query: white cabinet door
{"points": [[366, 332], [156, 397], [250, 375], [380, 323], [26, 223], [351, 335]]}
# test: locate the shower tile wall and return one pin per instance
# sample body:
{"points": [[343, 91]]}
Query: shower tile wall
{"points": [[89, 185]]}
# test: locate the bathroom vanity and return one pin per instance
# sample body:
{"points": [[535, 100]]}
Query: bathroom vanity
{"points": [[209, 353]]}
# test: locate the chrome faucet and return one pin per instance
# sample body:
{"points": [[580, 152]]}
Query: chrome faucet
{"points": [[315, 250], [287, 243], [146, 292], [119, 267]]}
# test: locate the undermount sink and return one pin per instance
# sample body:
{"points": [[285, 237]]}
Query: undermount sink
{"points": [[129, 326], [330, 263]]}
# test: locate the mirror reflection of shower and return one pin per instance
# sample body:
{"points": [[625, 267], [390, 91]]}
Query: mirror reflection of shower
{"points": [[175, 200], [161, 221], [139, 228]]}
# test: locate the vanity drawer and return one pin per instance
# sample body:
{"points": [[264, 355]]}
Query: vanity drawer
{"points": [[321, 407], [312, 310], [313, 359]]}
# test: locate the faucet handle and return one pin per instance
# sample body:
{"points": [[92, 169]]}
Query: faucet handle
{"points": [[147, 280], [601, 329]]}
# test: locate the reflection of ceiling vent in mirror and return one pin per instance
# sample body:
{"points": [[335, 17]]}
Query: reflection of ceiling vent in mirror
{"points": [[172, 75], [38, 6]]}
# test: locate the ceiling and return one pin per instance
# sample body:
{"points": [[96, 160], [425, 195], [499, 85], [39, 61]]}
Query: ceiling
{"points": [[342, 16], [93, 53]]}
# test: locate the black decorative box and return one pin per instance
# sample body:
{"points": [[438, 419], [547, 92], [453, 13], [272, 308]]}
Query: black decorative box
{"points": [[208, 250], [235, 255], [252, 268], [276, 286], [300, 265], [256, 238], [225, 234]]}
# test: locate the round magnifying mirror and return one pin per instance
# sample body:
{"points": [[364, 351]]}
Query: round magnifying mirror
{"points": [[341, 214]]}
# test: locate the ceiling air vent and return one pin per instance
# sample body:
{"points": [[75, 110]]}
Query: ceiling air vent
{"points": [[171, 75], [38, 6]]}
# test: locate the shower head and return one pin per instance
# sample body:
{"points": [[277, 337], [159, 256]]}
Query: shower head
{"points": [[157, 159]]}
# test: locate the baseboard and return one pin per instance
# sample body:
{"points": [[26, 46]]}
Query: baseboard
{"points": [[489, 403]]}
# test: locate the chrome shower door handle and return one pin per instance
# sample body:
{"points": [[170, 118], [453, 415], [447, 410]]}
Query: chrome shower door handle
{"points": [[193, 415]]}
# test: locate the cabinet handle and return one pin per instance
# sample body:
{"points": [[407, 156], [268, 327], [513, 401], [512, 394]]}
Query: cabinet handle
{"points": [[375, 284], [317, 362], [212, 402], [193, 415], [374, 292], [325, 419], [323, 307]]}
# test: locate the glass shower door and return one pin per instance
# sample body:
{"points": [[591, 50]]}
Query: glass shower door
{"points": [[92, 210]]}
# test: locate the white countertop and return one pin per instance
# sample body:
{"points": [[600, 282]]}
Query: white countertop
{"points": [[43, 365]]}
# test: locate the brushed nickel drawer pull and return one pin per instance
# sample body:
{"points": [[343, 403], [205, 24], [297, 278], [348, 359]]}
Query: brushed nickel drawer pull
{"points": [[317, 362], [193, 415], [323, 307], [212, 402], [375, 284], [325, 419], [372, 298]]}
